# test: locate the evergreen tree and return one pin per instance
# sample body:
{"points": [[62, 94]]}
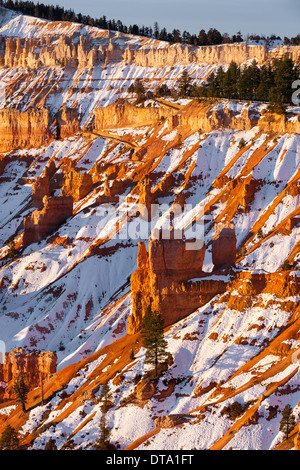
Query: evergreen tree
{"points": [[11, 247], [248, 82], [138, 88], [103, 441], [185, 85], [105, 397], [216, 89], [152, 334], [288, 420], [51, 445], [285, 74], [266, 81], [163, 90], [202, 38], [230, 80], [9, 438], [21, 391]]}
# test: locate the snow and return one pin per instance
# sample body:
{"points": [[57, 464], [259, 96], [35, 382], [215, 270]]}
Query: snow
{"points": [[74, 298]]}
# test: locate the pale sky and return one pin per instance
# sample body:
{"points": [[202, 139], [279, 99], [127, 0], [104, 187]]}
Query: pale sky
{"points": [[280, 17]]}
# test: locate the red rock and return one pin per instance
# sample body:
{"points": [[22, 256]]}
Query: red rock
{"points": [[67, 123], [224, 245], [161, 271], [76, 184], [42, 223], [35, 366], [24, 129]]}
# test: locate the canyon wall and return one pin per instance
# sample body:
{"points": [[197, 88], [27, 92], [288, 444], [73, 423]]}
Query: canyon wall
{"points": [[24, 129], [221, 54], [122, 113], [195, 116], [52, 50]]}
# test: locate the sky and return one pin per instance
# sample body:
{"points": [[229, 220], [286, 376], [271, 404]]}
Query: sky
{"points": [[266, 17]]}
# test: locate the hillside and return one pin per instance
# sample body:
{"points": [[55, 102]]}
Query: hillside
{"points": [[79, 162]]}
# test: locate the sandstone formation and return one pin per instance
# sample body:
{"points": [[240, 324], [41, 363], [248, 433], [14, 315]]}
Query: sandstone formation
{"points": [[67, 123], [160, 271], [224, 246], [42, 186], [42, 223], [36, 367], [76, 184], [24, 129], [169, 278], [104, 47], [281, 123], [146, 199], [122, 113], [195, 116], [297, 440], [221, 54]]}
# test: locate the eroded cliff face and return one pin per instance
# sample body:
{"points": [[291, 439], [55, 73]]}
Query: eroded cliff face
{"points": [[77, 185], [52, 50], [159, 279], [232, 332], [68, 123], [195, 116], [123, 113], [41, 223], [36, 367], [24, 129], [224, 246], [222, 54]]}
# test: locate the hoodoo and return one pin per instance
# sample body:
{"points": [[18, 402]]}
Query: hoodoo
{"points": [[224, 246]]}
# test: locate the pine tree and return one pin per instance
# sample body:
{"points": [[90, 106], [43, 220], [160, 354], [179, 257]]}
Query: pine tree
{"points": [[152, 334], [11, 247], [230, 80], [21, 391], [103, 441], [105, 397], [185, 85], [288, 420], [9, 438], [51, 445]]}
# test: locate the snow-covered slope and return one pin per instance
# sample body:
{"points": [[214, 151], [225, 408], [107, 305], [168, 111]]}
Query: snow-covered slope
{"points": [[70, 292]]}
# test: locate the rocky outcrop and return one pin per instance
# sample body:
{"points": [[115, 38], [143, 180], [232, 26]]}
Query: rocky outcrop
{"points": [[36, 367], [104, 47], [42, 223], [279, 123], [68, 123], [24, 129], [76, 184], [224, 246], [170, 279], [220, 54], [207, 117], [160, 270], [169, 421], [297, 440], [122, 113], [42, 186]]}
